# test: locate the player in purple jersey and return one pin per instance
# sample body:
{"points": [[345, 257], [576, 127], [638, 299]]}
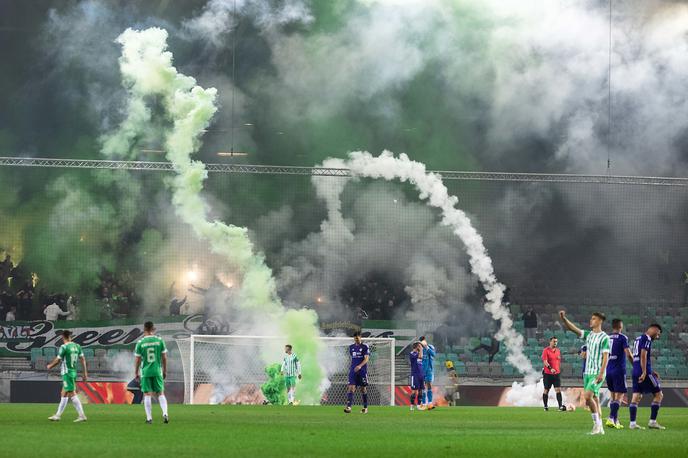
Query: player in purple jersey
{"points": [[616, 372], [358, 372], [644, 379], [583, 353], [416, 379]]}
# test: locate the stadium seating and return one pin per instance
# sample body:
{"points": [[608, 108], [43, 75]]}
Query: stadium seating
{"points": [[669, 355]]}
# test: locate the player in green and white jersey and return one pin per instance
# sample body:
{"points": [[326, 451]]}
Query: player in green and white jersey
{"points": [[291, 369], [597, 356], [151, 357], [68, 356]]}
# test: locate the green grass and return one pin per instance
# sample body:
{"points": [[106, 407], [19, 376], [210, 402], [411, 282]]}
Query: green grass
{"points": [[119, 430]]}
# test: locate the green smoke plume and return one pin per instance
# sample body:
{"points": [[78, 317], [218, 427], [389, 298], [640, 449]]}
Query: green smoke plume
{"points": [[275, 388], [148, 73]]}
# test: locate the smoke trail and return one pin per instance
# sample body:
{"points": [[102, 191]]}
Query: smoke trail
{"points": [[148, 73], [431, 188]]}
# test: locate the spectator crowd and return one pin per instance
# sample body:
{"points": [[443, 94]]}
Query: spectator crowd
{"points": [[22, 298]]}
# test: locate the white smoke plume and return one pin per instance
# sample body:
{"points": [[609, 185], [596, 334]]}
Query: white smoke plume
{"points": [[431, 189], [362, 243], [218, 17], [148, 72], [530, 395]]}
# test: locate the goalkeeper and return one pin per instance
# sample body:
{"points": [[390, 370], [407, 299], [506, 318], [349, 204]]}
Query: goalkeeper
{"points": [[291, 369]]}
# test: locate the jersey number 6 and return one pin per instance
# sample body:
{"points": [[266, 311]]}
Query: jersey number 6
{"points": [[150, 355]]}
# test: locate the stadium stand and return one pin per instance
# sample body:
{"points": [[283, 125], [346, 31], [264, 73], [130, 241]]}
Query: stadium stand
{"points": [[670, 360]]}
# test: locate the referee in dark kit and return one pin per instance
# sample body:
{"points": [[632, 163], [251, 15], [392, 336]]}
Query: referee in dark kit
{"points": [[551, 373]]}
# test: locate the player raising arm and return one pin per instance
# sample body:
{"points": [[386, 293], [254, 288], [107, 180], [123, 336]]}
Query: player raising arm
{"points": [[151, 357], [291, 369], [358, 372], [68, 356], [597, 356]]}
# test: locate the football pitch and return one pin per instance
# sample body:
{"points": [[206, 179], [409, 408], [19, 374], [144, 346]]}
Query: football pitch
{"points": [[120, 430]]}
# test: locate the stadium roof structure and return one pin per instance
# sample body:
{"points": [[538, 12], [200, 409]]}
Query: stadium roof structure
{"points": [[163, 166]]}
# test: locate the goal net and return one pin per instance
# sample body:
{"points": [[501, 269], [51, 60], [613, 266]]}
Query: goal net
{"points": [[232, 369]]}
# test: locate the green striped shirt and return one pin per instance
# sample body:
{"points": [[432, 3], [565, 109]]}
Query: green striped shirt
{"points": [[291, 367], [69, 354], [597, 344]]}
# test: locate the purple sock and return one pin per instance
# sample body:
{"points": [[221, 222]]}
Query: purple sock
{"points": [[365, 400], [654, 410], [614, 410], [633, 411], [349, 399]]}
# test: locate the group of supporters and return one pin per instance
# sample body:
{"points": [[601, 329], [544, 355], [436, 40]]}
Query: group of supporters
{"points": [[605, 361]]}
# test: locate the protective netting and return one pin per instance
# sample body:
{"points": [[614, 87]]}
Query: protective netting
{"points": [[104, 234], [232, 369]]}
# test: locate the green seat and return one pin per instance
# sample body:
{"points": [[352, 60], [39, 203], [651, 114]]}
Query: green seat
{"points": [[50, 352], [495, 370], [88, 352], [35, 353]]}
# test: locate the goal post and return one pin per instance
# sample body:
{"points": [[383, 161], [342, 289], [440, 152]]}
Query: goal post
{"points": [[230, 369]]}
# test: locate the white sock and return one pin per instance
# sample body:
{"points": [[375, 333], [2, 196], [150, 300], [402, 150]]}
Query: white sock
{"points": [[291, 396], [163, 404], [147, 407], [77, 405], [596, 418], [61, 407], [632, 423]]}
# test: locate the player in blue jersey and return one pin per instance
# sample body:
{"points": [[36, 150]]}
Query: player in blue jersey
{"points": [[644, 379], [428, 372], [358, 372], [616, 372], [416, 378]]}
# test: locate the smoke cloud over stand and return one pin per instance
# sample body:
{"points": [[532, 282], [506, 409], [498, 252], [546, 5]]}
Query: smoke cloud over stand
{"points": [[433, 191]]}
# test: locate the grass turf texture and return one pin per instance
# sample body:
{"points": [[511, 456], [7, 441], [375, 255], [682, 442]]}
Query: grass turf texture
{"points": [[120, 430]]}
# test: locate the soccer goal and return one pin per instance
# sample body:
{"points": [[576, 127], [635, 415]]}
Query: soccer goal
{"points": [[231, 369]]}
